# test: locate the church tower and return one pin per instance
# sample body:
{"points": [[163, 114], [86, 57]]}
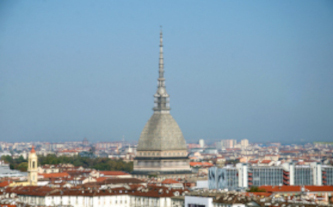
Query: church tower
{"points": [[162, 149], [32, 167]]}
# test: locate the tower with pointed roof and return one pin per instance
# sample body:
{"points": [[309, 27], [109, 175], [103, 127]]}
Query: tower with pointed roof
{"points": [[32, 167], [161, 150]]}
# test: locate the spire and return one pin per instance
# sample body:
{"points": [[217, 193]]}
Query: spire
{"points": [[161, 96], [161, 60]]}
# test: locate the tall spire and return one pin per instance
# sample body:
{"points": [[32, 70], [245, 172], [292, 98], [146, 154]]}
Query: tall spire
{"points": [[161, 62], [161, 96]]}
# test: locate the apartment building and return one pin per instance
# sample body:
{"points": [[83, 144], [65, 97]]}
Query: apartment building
{"points": [[277, 174]]}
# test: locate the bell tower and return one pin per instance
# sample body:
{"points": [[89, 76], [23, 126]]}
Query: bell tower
{"points": [[32, 167]]}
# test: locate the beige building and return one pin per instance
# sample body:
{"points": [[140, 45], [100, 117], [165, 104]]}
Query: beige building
{"points": [[244, 143], [228, 143]]}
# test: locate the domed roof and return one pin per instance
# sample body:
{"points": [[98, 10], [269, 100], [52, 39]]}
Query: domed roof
{"points": [[161, 133]]}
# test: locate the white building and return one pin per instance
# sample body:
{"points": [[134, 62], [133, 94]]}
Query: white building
{"points": [[245, 175], [117, 197], [202, 143], [219, 199]]}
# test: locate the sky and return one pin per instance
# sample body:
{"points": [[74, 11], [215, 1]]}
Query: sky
{"points": [[260, 70]]}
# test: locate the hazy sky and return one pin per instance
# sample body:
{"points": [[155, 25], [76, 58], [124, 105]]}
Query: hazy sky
{"points": [[261, 70]]}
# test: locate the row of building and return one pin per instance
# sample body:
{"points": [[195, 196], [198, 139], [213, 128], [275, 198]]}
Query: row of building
{"points": [[244, 175]]}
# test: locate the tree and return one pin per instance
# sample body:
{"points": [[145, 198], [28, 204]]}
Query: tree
{"points": [[256, 189], [7, 158], [23, 167]]}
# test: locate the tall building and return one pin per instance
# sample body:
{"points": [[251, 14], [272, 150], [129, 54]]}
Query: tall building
{"points": [[244, 143], [32, 167], [202, 143], [228, 143], [161, 149]]}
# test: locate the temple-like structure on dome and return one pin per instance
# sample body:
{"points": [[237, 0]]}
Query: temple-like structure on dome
{"points": [[162, 148]]}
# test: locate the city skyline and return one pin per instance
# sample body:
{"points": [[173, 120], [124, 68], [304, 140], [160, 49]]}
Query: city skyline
{"points": [[256, 70]]}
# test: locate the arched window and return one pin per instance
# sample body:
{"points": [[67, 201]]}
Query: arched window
{"points": [[33, 164]]}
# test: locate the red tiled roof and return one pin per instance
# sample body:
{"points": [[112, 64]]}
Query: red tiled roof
{"points": [[319, 188], [114, 173], [54, 175], [203, 164], [4, 184], [266, 161], [169, 181], [122, 181], [101, 179]]}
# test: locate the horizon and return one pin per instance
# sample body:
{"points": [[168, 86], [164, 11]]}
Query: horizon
{"points": [[257, 70]]}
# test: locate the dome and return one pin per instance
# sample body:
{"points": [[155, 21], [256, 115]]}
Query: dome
{"points": [[161, 133]]}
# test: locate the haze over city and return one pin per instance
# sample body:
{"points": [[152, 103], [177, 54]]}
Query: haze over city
{"points": [[260, 70]]}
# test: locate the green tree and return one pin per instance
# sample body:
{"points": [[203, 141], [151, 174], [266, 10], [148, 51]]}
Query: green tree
{"points": [[256, 189], [7, 158], [23, 166]]}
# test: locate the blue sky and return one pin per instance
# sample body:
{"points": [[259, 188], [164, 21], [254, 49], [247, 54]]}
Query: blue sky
{"points": [[260, 70]]}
